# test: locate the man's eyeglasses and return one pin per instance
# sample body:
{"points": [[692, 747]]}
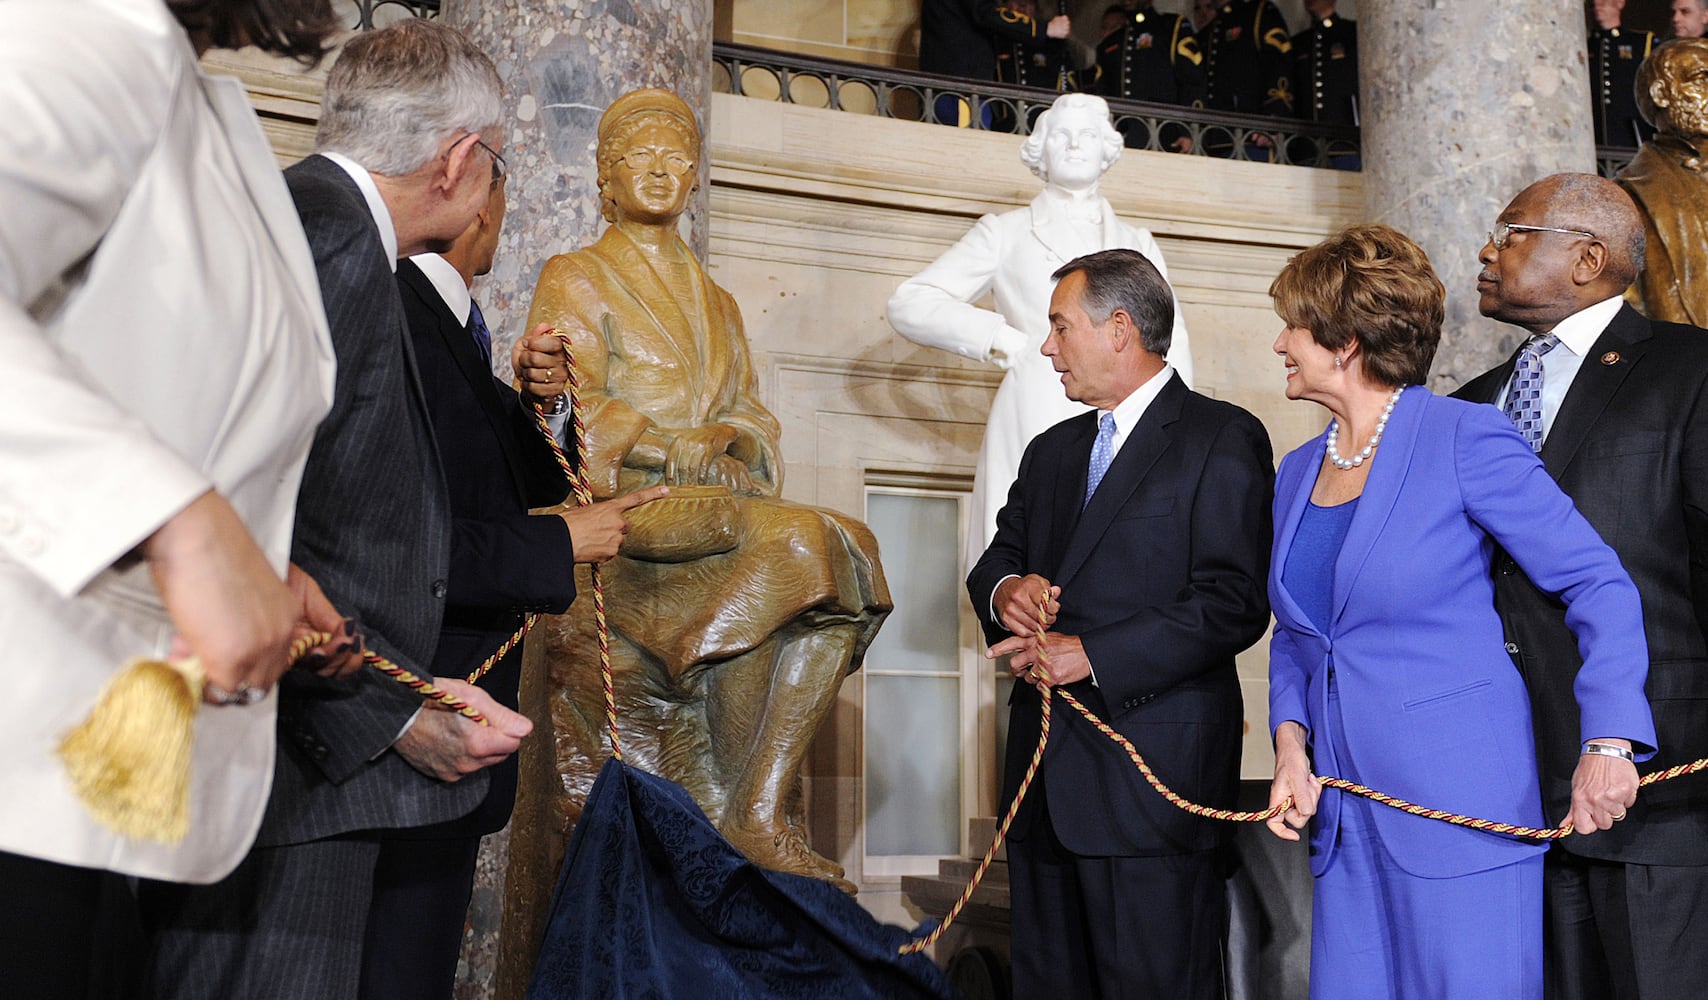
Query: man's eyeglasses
{"points": [[499, 167], [1502, 233]]}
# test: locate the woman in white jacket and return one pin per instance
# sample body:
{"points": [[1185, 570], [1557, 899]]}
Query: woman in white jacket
{"points": [[166, 362]]}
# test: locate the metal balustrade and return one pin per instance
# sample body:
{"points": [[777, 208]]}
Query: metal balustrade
{"points": [[859, 88], [892, 93]]}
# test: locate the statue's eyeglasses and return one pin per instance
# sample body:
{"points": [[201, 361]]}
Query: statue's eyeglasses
{"points": [[1502, 232], [643, 160]]}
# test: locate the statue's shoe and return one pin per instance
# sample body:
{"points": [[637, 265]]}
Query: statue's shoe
{"points": [[786, 850]]}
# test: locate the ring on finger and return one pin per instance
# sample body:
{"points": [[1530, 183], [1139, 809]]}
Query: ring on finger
{"points": [[1619, 816], [245, 694]]}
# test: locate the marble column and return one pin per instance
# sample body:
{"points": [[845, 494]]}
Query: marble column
{"points": [[563, 62], [1465, 104]]}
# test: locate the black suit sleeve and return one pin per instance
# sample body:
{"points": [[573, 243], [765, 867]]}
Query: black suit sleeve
{"points": [[544, 483], [1224, 607], [1006, 554], [1693, 475]]}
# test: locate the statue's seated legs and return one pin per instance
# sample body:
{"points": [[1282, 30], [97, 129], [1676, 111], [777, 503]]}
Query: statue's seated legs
{"points": [[761, 713], [725, 666]]}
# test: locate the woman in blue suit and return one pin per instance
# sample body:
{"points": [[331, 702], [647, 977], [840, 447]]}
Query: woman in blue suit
{"points": [[1388, 665]]}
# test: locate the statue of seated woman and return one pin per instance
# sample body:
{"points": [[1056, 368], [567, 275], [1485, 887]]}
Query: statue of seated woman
{"points": [[734, 615]]}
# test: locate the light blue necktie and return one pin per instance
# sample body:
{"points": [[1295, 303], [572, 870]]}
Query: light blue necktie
{"points": [[1102, 453], [477, 329], [1524, 393]]}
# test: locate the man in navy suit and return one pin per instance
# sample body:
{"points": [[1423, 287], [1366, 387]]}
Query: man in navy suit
{"points": [[1138, 537], [1624, 431], [504, 563]]}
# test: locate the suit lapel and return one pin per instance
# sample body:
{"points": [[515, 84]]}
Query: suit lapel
{"points": [[1594, 387], [1486, 387], [1146, 442], [1381, 491], [461, 348], [1301, 479]]}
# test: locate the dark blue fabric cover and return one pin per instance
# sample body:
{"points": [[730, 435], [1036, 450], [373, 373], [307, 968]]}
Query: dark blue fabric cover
{"points": [[654, 903]]}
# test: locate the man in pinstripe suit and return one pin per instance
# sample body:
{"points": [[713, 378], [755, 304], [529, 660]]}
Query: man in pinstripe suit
{"points": [[404, 163]]}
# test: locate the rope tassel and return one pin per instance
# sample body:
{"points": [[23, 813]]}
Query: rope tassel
{"points": [[129, 762]]}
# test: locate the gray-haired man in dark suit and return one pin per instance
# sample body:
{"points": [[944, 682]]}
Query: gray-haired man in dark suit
{"points": [[405, 158]]}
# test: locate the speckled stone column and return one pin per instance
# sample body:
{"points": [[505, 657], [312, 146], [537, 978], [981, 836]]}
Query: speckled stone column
{"points": [[563, 62], [1465, 104]]}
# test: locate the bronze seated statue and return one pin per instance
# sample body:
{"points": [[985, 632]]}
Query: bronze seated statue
{"points": [[734, 615]]}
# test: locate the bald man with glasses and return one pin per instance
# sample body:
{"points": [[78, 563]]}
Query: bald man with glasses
{"points": [[1617, 407]]}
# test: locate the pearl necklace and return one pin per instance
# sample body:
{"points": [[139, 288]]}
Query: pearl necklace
{"points": [[1348, 464]]}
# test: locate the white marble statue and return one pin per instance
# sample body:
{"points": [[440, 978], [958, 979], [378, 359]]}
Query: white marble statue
{"points": [[1011, 257]]}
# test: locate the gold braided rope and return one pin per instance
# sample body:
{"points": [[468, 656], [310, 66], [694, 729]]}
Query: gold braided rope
{"points": [[583, 491], [1230, 815], [420, 685], [487, 664], [920, 944]]}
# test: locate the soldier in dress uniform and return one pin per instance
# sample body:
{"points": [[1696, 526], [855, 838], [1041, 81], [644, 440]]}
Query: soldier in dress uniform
{"points": [[1150, 57], [1325, 77], [960, 38], [1039, 61], [1147, 56], [1245, 55], [1042, 62], [1615, 52]]}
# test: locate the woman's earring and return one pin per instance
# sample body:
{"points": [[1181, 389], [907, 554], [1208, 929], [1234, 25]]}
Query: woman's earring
{"points": [[1337, 361]]}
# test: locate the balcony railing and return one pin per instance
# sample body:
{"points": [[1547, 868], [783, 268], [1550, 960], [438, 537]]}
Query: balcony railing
{"points": [[371, 14], [920, 97], [767, 74]]}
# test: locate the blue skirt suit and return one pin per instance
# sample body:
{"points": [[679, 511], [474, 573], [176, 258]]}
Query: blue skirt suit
{"points": [[1396, 666]]}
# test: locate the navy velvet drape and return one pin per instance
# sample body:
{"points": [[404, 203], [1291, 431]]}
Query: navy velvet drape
{"points": [[654, 903]]}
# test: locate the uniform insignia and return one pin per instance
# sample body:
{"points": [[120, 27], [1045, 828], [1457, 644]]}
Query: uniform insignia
{"points": [[1625, 52], [1610, 358], [1145, 40], [1234, 33], [1188, 49], [1337, 51], [1276, 38]]}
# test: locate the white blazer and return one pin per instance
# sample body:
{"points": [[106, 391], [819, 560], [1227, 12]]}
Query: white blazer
{"points": [[162, 333], [1011, 257]]}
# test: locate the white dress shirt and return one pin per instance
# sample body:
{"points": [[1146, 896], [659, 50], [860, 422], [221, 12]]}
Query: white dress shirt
{"points": [[1577, 334]]}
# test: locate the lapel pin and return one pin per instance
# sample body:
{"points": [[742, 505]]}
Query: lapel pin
{"points": [[1610, 358]]}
